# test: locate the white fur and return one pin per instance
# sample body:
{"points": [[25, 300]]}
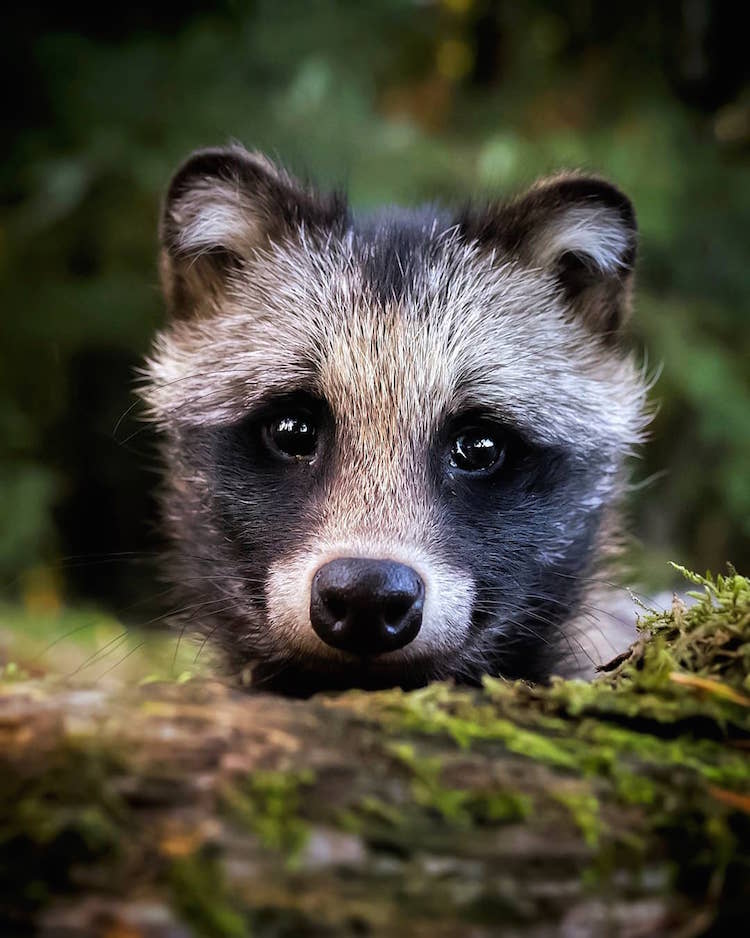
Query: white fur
{"points": [[214, 215], [592, 231]]}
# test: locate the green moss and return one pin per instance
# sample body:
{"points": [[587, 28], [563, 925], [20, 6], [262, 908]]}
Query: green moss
{"points": [[371, 809], [268, 803], [202, 898], [459, 807], [12, 672], [585, 810], [633, 787], [52, 821], [427, 788], [442, 710], [709, 639]]}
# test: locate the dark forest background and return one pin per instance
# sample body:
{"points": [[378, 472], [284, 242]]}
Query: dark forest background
{"points": [[400, 100]]}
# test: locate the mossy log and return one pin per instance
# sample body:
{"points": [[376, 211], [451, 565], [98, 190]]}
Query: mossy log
{"points": [[618, 808]]}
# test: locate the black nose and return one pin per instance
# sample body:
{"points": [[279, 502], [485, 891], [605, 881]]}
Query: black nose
{"points": [[366, 606]]}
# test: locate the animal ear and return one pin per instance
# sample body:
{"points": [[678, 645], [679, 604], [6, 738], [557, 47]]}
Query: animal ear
{"points": [[223, 206], [580, 229]]}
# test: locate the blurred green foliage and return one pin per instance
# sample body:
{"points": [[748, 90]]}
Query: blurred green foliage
{"points": [[400, 101]]}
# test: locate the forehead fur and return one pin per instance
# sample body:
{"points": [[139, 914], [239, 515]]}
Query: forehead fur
{"points": [[453, 328]]}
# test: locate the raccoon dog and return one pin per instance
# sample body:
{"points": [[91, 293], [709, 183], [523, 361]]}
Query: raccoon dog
{"points": [[393, 444]]}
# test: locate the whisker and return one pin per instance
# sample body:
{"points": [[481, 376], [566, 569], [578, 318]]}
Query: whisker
{"points": [[101, 652], [124, 657]]}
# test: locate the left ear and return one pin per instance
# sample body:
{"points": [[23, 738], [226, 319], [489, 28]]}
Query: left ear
{"points": [[580, 229]]}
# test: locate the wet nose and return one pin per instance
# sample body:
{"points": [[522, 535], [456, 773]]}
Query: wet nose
{"points": [[366, 607]]}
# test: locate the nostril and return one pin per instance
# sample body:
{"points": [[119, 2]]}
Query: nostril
{"points": [[336, 605], [394, 610]]}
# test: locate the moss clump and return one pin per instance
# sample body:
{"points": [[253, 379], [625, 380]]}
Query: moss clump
{"points": [[52, 821], [710, 639], [201, 896], [268, 803], [458, 806], [691, 664], [586, 811]]}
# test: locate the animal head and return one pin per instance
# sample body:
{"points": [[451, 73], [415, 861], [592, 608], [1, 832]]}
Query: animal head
{"points": [[392, 444]]}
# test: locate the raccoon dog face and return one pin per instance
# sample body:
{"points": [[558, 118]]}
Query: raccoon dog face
{"points": [[392, 444]]}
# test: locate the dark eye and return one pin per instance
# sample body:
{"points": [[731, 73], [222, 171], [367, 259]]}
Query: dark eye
{"points": [[293, 436], [477, 449]]}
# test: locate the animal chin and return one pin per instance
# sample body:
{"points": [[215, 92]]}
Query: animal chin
{"points": [[303, 678]]}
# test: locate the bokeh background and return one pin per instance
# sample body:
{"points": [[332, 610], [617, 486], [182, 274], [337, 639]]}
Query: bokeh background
{"points": [[399, 100]]}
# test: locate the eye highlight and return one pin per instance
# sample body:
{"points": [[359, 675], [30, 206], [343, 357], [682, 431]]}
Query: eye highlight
{"points": [[477, 449], [292, 436]]}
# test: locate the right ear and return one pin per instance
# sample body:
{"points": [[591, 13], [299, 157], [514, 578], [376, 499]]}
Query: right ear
{"points": [[223, 206], [579, 229]]}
